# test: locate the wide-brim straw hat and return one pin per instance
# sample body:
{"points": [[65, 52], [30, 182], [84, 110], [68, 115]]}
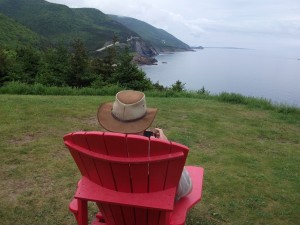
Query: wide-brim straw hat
{"points": [[127, 114]]}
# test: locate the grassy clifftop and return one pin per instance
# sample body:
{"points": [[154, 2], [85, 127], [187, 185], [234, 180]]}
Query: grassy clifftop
{"points": [[251, 157]]}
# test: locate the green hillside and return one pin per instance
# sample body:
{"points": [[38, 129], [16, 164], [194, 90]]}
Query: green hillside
{"points": [[157, 37], [61, 23], [13, 34]]}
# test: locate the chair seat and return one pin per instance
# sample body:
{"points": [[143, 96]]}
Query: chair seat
{"points": [[181, 207]]}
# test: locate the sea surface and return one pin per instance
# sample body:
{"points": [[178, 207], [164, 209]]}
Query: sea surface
{"points": [[270, 74]]}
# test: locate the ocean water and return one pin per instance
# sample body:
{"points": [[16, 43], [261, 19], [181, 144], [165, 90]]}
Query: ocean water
{"points": [[272, 74]]}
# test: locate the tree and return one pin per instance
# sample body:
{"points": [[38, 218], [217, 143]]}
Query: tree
{"points": [[203, 91], [108, 63], [56, 67], [178, 86], [79, 76], [110, 60], [27, 65], [158, 86], [3, 66], [103, 68], [128, 75]]}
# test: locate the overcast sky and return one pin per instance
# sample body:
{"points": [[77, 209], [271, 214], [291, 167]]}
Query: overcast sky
{"points": [[235, 23]]}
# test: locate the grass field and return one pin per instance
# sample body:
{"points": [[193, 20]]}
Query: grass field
{"points": [[251, 157]]}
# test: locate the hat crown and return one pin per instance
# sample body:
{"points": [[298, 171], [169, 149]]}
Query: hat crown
{"points": [[129, 106], [129, 97]]}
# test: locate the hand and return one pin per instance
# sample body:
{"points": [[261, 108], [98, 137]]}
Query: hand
{"points": [[160, 134]]}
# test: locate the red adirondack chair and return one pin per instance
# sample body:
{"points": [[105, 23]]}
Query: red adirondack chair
{"points": [[133, 179]]}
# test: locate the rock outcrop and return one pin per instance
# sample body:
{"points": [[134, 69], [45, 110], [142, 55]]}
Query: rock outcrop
{"points": [[144, 52], [144, 60]]}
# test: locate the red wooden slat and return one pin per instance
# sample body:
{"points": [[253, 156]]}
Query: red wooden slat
{"points": [[141, 216], [164, 218], [116, 146], [176, 147], [95, 141], [159, 147], [128, 213], [157, 177], [96, 144], [175, 167], [79, 138], [158, 171], [107, 213], [117, 214], [163, 200], [105, 174], [78, 161], [138, 146], [153, 217], [91, 167], [75, 155]]}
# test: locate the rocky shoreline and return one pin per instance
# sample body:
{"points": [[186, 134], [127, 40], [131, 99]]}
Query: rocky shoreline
{"points": [[144, 60]]}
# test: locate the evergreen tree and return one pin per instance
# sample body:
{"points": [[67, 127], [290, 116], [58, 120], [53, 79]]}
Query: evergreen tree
{"points": [[27, 65], [56, 68], [110, 60], [178, 86], [105, 67], [108, 63], [79, 76], [3, 66], [129, 75]]}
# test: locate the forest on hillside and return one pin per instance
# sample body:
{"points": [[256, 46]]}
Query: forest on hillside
{"points": [[73, 67]]}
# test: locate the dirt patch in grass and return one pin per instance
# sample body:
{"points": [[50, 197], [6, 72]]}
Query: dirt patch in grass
{"points": [[14, 189], [25, 139], [91, 121]]}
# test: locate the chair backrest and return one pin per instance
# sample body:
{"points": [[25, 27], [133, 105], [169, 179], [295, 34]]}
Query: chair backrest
{"points": [[131, 164]]}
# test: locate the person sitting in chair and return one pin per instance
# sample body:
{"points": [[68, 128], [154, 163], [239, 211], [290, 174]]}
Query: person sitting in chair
{"points": [[129, 114]]}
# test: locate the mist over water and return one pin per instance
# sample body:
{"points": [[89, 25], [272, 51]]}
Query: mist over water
{"points": [[272, 74]]}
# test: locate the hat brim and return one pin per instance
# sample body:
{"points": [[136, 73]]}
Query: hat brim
{"points": [[108, 122]]}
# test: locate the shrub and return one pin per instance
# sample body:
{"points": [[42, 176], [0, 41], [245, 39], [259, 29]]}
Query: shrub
{"points": [[232, 98], [178, 86]]}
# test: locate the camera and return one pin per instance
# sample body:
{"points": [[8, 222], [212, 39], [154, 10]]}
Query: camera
{"points": [[148, 133]]}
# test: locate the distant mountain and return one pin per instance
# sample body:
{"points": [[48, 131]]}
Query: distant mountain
{"points": [[59, 23], [157, 37], [13, 34]]}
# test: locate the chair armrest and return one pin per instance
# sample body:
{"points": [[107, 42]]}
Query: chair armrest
{"points": [[182, 206], [162, 200]]}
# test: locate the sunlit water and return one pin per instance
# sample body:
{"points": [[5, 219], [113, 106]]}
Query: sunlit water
{"points": [[273, 75]]}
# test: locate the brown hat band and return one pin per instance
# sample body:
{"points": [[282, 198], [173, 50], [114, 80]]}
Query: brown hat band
{"points": [[131, 120]]}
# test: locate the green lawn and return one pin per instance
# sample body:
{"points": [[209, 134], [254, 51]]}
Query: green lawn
{"points": [[251, 157]]}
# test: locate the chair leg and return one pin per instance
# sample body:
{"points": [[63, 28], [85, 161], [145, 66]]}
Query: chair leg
{"points": [[73, 207], [82, 212]]}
